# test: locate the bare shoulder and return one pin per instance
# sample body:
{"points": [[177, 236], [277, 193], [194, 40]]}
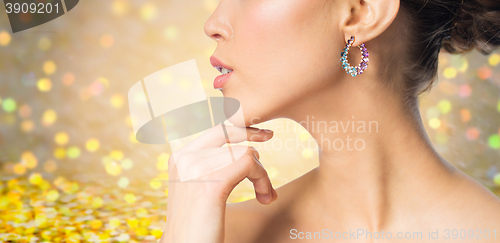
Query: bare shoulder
{"points": [[477, 205]]}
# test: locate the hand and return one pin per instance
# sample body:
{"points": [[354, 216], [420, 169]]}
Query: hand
{"points": [[196, 208]]}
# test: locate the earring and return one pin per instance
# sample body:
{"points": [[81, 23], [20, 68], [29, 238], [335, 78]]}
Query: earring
{"points": [[354, 71]]}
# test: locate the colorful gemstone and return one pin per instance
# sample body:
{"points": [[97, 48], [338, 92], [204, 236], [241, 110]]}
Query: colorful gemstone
{"points": [[354, 70]]}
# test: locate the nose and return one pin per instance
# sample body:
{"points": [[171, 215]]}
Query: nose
{"points": [[217, 26]]}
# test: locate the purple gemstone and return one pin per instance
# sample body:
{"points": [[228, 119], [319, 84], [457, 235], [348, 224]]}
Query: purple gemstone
{"points": [[363, 45], [366, 54], [364, 50], [361, 71]]}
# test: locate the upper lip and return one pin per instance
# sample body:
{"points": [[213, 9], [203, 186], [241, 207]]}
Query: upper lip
{"points": [[218, 64]]}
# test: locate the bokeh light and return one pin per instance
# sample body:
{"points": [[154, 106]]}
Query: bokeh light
{"points": [[4, 38]]}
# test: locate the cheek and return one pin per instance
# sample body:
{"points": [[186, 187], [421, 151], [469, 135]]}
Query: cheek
{"points": [[283, 48]]}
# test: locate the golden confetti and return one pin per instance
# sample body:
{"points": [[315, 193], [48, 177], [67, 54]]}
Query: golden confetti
{"points": [[114, 222], [52, 195], [496, 179], [29, 160], [49, 117], [162, 164], [132, 223], [44, 84], [95, 224], [155, 184], [127, 164], [19, 169], [171, 33], [120, 7], [97, 202], [434, 123], [27, 125], [35, 179], [117, 100], [494, 59], [132, 138], [211, 5], [60, 153], [4, 38], [130, 198], [116, 154], [157, 233], [450, 72], [113, 168], [444, 106], [141, 212], [148, 11], [49, 67], [73, 152], [103, 81], [92, 145], [123, 182], [61, 138]]}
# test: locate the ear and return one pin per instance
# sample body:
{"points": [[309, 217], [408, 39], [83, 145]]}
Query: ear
{"points": [[368, 19]]}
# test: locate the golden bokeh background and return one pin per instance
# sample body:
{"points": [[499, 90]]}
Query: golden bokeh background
{"points": [[71, 169]]}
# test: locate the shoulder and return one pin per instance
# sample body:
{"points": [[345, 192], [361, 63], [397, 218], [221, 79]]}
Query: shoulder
{"points": [[473, 206]]}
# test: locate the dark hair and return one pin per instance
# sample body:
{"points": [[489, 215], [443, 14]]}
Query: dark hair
{"points": [[455, 25]]}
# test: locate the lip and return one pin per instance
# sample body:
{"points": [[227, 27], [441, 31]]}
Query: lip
{"points": [[223, 78]]}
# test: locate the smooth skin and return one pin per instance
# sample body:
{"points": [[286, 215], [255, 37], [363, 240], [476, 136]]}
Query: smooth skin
{"points": [[285, 55]]}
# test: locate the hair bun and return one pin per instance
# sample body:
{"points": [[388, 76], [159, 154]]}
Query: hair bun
{"points": [[476, 24]]}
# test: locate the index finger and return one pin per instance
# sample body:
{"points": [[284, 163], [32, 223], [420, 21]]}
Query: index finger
{"points": [[221, 134]]}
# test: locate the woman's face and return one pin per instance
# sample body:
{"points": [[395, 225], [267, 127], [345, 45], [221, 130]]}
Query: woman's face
{"points": [[283, 52]]}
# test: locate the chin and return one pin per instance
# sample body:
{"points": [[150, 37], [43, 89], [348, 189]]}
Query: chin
{"points": [[244, 111]]}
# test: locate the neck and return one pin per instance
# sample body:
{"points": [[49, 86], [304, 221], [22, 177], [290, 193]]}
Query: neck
{"points": [[372, 150]]}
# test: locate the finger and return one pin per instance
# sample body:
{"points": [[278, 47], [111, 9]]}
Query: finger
{"points": [[250, 167], [196, 164], [216, 137]]}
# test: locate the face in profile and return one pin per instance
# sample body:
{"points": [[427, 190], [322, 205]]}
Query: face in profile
{"points": [[282, 53]]}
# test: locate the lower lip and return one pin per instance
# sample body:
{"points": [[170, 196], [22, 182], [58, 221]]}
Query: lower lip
{"points": [[221, 80]]}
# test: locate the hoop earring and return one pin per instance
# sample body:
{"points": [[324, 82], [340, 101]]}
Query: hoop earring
{"points": [[354, 70]]}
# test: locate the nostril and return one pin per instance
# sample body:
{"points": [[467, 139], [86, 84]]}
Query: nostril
{"points": [[216, 36]]}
